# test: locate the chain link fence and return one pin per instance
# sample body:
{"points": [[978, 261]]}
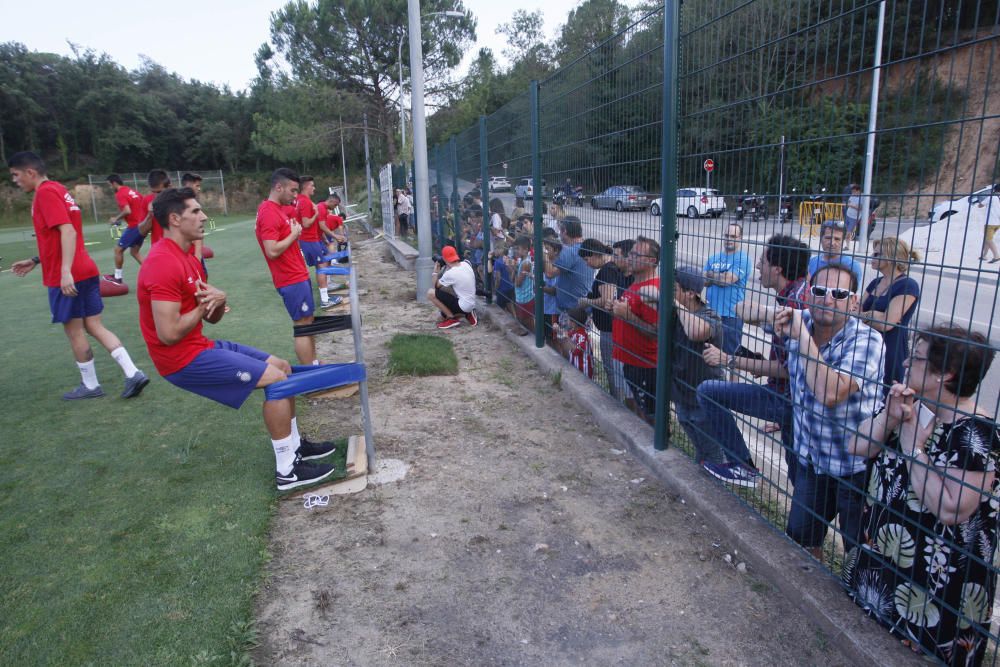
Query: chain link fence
{"points": [[102, 196], [853, 407]]}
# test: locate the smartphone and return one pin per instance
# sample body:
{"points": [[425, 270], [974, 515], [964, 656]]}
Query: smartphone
{"points": [[925, 416]]}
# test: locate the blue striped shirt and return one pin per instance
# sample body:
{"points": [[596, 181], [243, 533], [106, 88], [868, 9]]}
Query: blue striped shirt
{"points": [[822, 433]]}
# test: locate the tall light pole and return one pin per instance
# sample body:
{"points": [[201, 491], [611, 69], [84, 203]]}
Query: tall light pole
{"points": [[399, 59], [424, 263]]}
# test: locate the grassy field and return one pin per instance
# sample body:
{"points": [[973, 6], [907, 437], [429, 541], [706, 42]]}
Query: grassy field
{"points": [[135, 530]]}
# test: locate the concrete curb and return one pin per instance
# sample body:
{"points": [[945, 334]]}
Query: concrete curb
{"points": [[785, 566]]}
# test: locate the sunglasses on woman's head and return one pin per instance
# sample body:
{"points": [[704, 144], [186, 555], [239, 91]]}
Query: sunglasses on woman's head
{"points": [[838, 293]]}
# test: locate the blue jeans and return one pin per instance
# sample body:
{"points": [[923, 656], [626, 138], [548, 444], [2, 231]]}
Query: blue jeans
{"points": [[717, 398], [695, 424], [613, 371], [732, 334], [818, 498]]}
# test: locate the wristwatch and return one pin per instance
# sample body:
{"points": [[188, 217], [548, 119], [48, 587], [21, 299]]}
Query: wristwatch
{"points": [[731, 362]]}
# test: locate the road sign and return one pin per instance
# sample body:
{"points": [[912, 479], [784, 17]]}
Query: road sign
{"points": [[504, 165], [709, 164]]}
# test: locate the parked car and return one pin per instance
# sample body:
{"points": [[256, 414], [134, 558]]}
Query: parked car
{"points": [[621, 198], [526, 189], [499, 184], [961, 206], [694, 203]]}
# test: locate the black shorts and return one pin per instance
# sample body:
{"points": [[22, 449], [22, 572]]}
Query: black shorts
{"points": [[449, 300], [642, 382]]}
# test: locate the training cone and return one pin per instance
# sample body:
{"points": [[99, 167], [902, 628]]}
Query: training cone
{"points": [[111, 288], [206, 252]]}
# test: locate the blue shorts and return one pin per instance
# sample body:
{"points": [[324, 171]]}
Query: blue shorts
{"points": [[86, 303], [298, 300], [227, 373], [313, 251], [131, 238]]}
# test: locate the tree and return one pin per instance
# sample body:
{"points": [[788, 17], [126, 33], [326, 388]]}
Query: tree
{"points": [[352, 44]]}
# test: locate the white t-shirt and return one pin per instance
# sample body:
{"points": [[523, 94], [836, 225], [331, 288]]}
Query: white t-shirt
{"points": [[461, 278], [405, 206]]}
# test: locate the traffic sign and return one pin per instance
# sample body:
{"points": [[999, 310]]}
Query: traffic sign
{"points": [[504, 165], [709, 164]]}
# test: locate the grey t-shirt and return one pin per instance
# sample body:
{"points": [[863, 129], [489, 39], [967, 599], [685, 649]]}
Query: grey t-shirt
{"points": [[690, 368]]}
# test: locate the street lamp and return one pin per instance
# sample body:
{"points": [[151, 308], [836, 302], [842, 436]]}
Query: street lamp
{"points": [[399, 59]]}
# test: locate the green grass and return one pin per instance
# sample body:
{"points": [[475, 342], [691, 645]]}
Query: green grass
{"points": [[421, 354], [135, 530]]}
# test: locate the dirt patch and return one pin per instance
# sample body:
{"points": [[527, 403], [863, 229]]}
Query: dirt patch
{"points": [[519, 536]]}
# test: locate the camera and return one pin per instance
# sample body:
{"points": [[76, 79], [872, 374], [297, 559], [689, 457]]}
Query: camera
{"points": [[438, 259]]}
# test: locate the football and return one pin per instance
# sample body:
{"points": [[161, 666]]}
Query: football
{"points": [[111, 288]]}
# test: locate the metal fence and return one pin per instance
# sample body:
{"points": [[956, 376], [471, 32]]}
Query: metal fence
{"points": [[853, 407], [102, 195]]}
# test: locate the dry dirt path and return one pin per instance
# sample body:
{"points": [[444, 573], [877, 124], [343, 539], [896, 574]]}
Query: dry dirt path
{"points": [[520, 536]]}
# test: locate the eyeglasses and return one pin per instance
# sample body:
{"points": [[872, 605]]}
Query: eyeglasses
{"points": [[838, 293], [834, 224], [633, 253]]}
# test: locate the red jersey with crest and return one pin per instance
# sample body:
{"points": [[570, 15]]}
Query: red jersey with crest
{"points": [[52, 207], [126, 196], [273, 225], [170, 274]]}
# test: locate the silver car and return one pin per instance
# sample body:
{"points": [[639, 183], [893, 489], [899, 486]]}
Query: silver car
{"points": [[622, 198]]}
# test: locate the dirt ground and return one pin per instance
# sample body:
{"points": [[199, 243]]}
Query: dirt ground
{"points": [[520, 535]]}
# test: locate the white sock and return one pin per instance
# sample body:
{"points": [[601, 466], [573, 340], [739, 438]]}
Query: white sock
{"points": [[295, 432], [284, 453], [324, 293], [316, 362], [88, 374], [120, 354], [118, 274]]}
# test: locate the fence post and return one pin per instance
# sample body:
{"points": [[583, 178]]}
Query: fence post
{"points": [[368, 177], [668, 226], [225, 202], [456, 224], [484, 190], [536, 216], [93, 196], [439, 227]]}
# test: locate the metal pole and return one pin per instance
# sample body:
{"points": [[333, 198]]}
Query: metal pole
{"points": [[866, 189], [536, 207], [225, 203], [368, 174], [438, 165], [343, 159], [781, 175], [668, 226], [484, 190], [93, 196], [424, 263], [402, 111], [456, 226]]}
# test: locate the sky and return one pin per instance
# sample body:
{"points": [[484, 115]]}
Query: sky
{"points": [[215, 42]]}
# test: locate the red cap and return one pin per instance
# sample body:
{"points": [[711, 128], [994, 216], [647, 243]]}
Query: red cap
{"points": [[449, 254]]}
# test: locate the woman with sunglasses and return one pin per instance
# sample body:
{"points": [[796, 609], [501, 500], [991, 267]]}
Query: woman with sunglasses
{"points": [[890, 302], [924, 566]]}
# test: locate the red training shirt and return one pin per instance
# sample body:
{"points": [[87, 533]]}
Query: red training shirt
{"points": [[54, 206], [126, 196], [155, 230], [332, 220], [304, 209], [170, 274], [632, 345], [273, 225]]}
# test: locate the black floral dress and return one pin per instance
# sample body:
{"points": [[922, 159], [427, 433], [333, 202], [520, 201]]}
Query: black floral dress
{"points": [[928, 582]]}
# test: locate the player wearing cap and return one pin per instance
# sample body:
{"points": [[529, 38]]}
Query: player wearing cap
{"points": [[132, 210], [454, 291], [277, 235], [174, 300], [71, 276]]}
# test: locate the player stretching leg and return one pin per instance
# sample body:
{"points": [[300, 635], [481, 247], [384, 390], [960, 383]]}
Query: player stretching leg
{"points": [[277, 236], [174, 300], [311, 243], [71, 276], [130, 208], [193, 181]]}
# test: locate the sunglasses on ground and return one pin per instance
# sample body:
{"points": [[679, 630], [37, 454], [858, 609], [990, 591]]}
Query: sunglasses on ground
{"points": [[838, 293]]}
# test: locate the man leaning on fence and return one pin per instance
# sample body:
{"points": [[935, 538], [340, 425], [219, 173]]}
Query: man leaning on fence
{"points": [[835, 371], [782, 267], [634, 327]]}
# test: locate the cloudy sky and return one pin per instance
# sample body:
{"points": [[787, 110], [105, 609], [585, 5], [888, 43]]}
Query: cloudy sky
{"points": [[214, 42]]}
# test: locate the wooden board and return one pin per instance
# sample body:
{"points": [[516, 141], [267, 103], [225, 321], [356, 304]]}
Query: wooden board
{"points": [[356, 480], [343, 391], [343, 308]]}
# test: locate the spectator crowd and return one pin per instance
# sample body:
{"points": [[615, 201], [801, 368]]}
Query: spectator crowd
{"points": [[878, 423]]}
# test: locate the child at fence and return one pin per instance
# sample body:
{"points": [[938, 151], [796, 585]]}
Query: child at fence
{"points": [[524, 283], [574, 342], [503, 286], [550, 307]]}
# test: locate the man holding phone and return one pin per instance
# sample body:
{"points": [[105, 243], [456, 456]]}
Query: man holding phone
{"points": [[835, 373]]}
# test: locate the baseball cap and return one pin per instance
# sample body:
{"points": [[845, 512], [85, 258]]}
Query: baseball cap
{"points": [[690, 278], [449, 254]]}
